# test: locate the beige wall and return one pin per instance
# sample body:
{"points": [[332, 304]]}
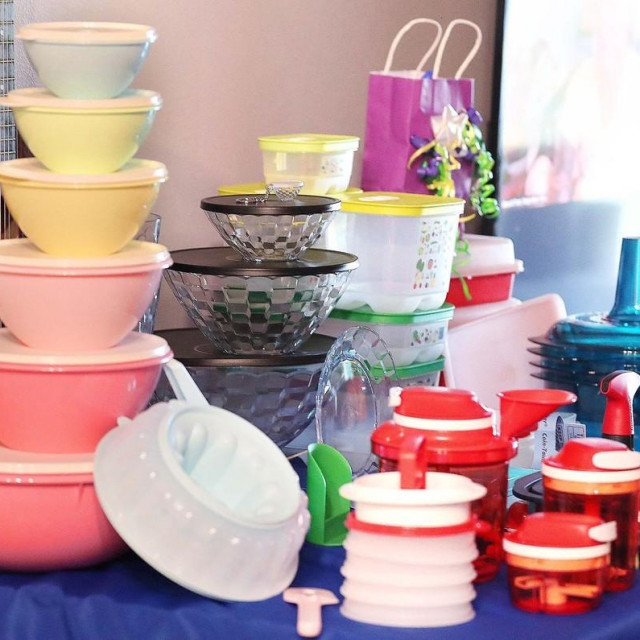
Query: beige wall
{"points": [[231, 70]]}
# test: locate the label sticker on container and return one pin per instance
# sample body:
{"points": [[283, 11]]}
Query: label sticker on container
{"points": [[552, 433]]}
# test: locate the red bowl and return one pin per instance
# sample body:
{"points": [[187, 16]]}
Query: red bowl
{"points": [[495, 287]]}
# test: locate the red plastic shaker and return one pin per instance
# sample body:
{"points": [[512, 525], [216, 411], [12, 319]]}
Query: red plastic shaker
{"points": [[600, 478], [461, 438], [558, 562]]}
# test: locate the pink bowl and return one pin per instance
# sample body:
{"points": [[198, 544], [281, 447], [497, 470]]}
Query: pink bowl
{"points": [[81, 304], [55, 403], [61, 524]]}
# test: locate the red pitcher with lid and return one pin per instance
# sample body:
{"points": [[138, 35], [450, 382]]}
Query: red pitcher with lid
{"points": [[462, 437], [600, 478]]}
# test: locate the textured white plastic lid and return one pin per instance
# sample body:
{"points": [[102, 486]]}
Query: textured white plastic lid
{"points": [[135, 171], [136, 347], [27, 463], [88, 32], [41, 98], [20, 254]]}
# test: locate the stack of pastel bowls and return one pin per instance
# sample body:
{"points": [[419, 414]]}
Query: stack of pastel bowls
{"points": [[406, 244], [73, 290], [257, 304]]}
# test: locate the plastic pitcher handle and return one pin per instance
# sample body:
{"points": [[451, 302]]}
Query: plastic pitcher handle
{"points": [[401, 34], [412, 461], [619, 388], [443, 43], [182, 383]]}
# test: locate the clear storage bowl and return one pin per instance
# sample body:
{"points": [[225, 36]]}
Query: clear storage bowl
{"points": [[87, 60], [323, 162], [411, 338], [276, 393], [245, 307], [270, 230], [83, 136], [80, 216], [405, 244], [60, 524]]}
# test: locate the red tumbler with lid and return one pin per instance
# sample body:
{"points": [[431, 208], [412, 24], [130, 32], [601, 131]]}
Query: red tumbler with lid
{"points": [[558, 562], [600, 478], [461, 437]]}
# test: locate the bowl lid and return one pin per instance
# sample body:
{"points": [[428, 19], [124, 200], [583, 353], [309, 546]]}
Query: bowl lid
{"points": [[257, 188], [20, 255], [561, 536], [366, 314], [272, 206], [38, 97], [420, 368], [226, 261], [190, 347], [135, 171], [308, 143], [135, 347], [351, 398], [88, 32], [27, 463], [388, 203]]}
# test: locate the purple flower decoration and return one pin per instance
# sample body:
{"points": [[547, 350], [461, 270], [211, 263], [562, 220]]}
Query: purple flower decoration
{"points": [[429, 169], [417, 141], [474, 116]]}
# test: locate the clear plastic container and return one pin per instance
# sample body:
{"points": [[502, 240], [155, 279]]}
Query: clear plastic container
{"points": [[322, 162], [411, 338], [405, 243]]}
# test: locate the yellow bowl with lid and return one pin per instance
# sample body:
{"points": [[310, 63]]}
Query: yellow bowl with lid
{"points": [[405, 243], [80, 216], [83, 136], [323, 162]]}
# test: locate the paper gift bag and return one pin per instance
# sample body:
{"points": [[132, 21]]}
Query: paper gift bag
{"points": [[400, 108]]}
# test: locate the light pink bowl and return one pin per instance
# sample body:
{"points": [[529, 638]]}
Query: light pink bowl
{"points": [[55, 403], [82, 304], [54, 520]]}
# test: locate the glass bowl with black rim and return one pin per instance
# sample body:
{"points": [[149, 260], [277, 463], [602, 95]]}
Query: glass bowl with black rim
{"points": [[247, 307]]}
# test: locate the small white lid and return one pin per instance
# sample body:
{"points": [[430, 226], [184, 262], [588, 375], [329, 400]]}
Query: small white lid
{"points": [[20, 254], [39, 97], [88, 33], [486, 255], [136, 347], [26, 463], [135, 171]]}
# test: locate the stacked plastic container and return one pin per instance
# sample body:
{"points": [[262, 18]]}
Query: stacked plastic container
{"points": [[410, 549], [73, 290], [406, 245]]}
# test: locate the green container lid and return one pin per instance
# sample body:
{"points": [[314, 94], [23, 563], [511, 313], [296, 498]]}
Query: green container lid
{"points": [[366, 314], [420, 368]]}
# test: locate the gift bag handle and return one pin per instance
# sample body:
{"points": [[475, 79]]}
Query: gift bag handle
{"points": [[401, 34], [443, 43]]}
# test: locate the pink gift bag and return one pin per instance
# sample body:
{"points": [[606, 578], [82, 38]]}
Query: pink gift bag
{"points": [[400, 106]]}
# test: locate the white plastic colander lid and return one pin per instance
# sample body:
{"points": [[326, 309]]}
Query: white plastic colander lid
{"points": [[134, 172], [88, 33], [40, 98], [136, 347], [20, 255], [23, 463]]}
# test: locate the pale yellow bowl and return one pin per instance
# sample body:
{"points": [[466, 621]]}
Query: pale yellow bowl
{"points": [[80, 216], [83, 136]]}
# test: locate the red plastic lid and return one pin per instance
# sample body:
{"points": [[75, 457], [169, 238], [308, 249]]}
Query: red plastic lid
{"points": [[561, 536], [440, 404], [446, 447], [594, 455], [352, 523]]}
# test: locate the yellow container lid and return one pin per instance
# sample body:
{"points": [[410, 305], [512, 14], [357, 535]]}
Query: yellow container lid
{"points": [[387, 203], [309, 143], [259, 188]]}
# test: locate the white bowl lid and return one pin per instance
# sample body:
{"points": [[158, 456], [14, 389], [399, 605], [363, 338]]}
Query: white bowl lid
{"points": [[40, 97], [88, 32], [19, 254], [27, 463], [135, 347], [134, 171]]}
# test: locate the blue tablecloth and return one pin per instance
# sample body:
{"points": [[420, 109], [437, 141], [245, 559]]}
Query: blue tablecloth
{"points": [[126, 599]]}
